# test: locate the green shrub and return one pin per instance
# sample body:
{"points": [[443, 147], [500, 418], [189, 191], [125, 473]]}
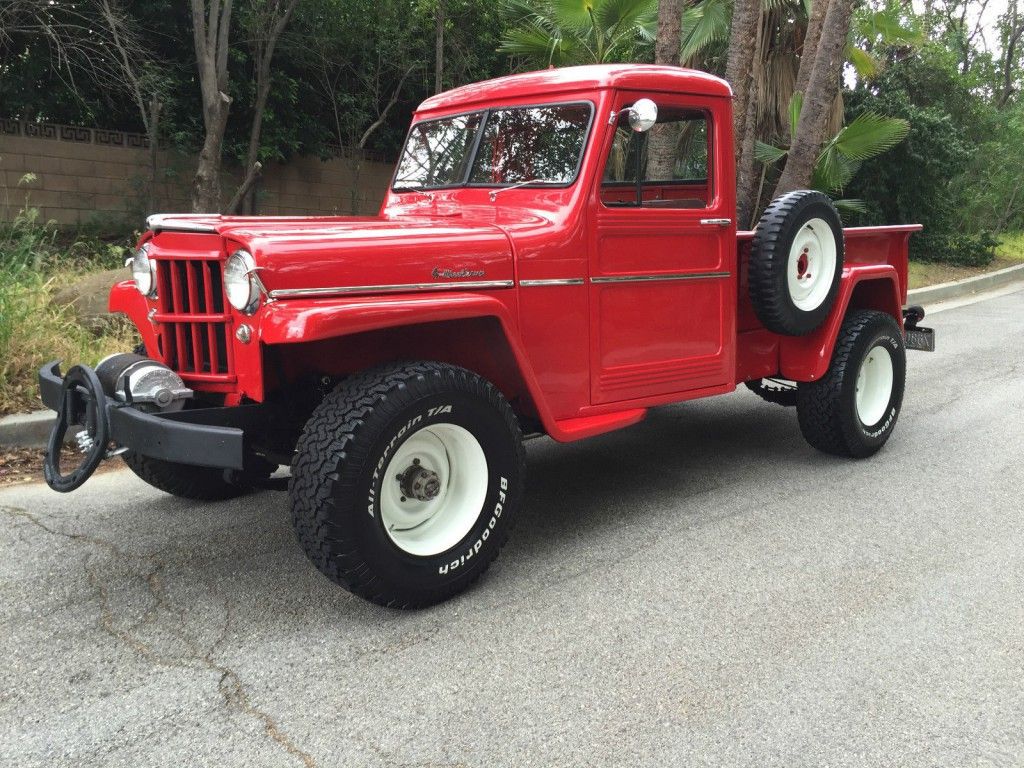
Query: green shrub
{"points": [[921, 179], [33, 330]]}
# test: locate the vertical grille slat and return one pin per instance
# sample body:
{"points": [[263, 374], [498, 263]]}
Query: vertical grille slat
{"points": [[211, 330], [188, 288], [201, 361]]}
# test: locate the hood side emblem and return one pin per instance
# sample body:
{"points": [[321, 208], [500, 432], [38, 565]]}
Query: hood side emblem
{"points": [[455, 274]]}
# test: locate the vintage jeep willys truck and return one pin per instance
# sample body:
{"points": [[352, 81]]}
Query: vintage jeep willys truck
{"points": [[558, 253]]}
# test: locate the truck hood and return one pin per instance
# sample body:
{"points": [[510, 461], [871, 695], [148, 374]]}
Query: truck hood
{"points": [[310, 256]]}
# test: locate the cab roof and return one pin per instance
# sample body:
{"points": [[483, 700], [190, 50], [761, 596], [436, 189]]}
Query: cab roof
{"points": [[568, 80]]}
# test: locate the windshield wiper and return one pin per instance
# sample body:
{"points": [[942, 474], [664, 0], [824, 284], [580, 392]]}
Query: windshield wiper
{"points": [[493, 194]]}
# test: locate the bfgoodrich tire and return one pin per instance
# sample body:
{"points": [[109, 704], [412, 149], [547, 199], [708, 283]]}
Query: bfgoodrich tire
{"points": [[406, 482], [796, 260], [852, 410]]}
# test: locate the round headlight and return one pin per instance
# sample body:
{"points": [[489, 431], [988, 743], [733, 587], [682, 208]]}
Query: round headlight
{"points": [[144, 272], [240, 282]]}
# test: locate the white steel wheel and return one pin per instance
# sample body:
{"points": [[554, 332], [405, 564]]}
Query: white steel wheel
{"points": [[433, 489], [812, 265], [874, 385]]}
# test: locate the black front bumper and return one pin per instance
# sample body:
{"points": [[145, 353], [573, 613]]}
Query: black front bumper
{"points": [[205, 437]]}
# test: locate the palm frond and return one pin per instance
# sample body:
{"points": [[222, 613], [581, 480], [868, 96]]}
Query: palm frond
{"points": [[703, 25], [767, 154], [889, 26], [571, 14], [833, 171], [796, 104], [870, 134], [626, 18], [537, 44], [850, 205], [866, 65], [613, 14]]}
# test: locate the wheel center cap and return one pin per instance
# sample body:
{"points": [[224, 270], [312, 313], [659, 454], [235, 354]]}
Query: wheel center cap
{"points": [[802, 263], [420, 483]]}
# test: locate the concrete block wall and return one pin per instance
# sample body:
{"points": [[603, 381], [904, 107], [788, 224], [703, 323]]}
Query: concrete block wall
{"points": [[95, 176]]}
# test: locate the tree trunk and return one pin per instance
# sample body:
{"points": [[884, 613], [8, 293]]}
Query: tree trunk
{"points": [[739, 70], [154, 137], [211, 33], [206, 186], [1014, 31], [669, 34], [264, 54], [747, 179], [810, 46], [439, 47], [663, 139], [819, 98]]}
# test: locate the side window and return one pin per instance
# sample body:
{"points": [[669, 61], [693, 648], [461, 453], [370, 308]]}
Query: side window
{"points": [[666, 167]]}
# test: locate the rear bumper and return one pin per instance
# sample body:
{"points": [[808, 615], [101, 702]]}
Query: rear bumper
{"points": [[199, 437]]}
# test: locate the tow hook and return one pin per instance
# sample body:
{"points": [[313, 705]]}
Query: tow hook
{"points": [[82, 402]]}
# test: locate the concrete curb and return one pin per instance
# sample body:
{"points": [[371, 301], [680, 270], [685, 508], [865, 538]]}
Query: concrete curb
{"points": [[956, 289], [31, 430], [26, 430]]}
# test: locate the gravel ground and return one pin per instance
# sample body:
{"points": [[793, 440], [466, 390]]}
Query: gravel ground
{"points": [[701, 589]]}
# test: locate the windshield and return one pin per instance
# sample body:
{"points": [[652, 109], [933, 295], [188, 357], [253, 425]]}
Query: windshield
{"points": [[497, 147]]}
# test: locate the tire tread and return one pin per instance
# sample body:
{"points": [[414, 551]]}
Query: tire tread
{"points": [[332, 434]]}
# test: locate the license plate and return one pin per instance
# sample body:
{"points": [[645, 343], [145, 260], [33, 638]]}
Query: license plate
{"points": [[920, 338]]}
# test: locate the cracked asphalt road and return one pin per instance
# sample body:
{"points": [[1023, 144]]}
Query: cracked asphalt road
{"points": [[702, 589]]}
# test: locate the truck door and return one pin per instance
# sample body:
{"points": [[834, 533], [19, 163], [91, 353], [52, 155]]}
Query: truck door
{"points": [[663, 263]]}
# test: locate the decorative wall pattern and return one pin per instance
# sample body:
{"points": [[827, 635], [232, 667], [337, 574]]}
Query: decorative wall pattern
{"points": [[12, 127]]}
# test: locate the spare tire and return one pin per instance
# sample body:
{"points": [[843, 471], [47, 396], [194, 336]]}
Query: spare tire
{"points": [[795, 263]]}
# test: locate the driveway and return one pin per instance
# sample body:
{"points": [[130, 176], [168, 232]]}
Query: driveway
{"points": [[701, 589]]}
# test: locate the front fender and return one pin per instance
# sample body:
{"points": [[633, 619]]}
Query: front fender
{"points": [[308, 320], [806, 358], [125, 299], [291, 322]]}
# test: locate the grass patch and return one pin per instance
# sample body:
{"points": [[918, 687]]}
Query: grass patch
{"points": [[34, 265], [1009, 252], [1011, 246]]}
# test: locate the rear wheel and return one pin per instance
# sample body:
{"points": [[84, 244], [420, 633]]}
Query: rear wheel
{"points": [[852, 410], [406, 481]]}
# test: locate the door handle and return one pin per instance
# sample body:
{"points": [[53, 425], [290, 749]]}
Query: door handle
{"points": [[716, 222]]}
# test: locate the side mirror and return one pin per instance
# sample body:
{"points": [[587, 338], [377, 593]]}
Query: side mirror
{"points": [[643, 115]]}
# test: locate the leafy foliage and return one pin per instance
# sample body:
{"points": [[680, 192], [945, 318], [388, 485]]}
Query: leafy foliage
{"points": [[922, 179], [563, 32], [866, 136]]}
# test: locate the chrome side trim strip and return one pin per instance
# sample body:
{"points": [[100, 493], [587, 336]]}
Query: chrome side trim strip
{"points": [[303, 293], [557, 281], [658, 278]]}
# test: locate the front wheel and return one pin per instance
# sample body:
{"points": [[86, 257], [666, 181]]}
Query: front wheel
{"points": [[852, 410], [405, 482]]}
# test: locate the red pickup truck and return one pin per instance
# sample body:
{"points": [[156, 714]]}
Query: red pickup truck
{"points": [[558, 253]]}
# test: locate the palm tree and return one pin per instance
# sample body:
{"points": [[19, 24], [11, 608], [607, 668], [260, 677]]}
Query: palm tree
{"points": [[867, 136], [565, 32], [785, 29]]}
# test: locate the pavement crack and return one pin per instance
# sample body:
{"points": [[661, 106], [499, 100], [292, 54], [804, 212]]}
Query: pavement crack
{"points": [[233, 691], [195, 656]]}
